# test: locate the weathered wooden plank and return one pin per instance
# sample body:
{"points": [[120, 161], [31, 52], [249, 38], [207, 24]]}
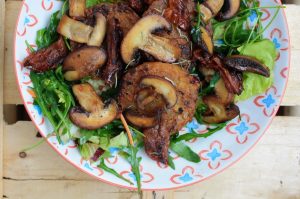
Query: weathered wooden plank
{"points": [[11, 92], [63, 189], [270, 170], [2, 14]]}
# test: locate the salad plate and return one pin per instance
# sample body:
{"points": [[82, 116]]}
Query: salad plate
{"points": [[217, 152]]}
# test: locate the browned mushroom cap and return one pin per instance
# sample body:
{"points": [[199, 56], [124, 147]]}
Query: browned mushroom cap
{"points": [[93, 113], [232, 79], [219, 112], [161, 86], [247, 64], [140, 37], [206, 41], [229, 9], [82, 62], [140, 120], [186, 89], [210, 8]]}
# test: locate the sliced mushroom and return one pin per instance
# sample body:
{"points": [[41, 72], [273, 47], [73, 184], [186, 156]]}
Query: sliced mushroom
{"points": [[74, 30], [232, 79], [140, 37], [229, 9], [210, 8], [82, 62], [186, 85], [77, 8], [225, 97], [148, 101], [163, 87], [247, 64], [206, 42], [99, 31], [93, 113], [219, 112], [169, 120], [140, 120]]}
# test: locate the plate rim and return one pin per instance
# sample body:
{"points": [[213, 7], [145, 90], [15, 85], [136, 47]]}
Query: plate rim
{"points": [[154, 189]]}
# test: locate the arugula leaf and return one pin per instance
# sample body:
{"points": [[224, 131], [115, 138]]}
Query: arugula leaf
{"points": [[193, 134], [184, 151], [195, 31], [103, 166], [29, 47], [90, 3], [54, 98], [200, 109], [171, 162], [46, 36], [130, 154]]}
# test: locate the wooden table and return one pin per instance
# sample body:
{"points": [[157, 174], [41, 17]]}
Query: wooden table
{"points": [[270, 170]]}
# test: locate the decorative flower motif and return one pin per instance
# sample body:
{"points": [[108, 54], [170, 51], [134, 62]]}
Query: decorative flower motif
{"points": [[164, 166], [26, 79], [28, 50], [242, 128], [29, 21], [215, 155], [20, 64], [47, 5], [266, 14], [284, 72], [268, 101], [36, 111], [88, 166], [145, 177], [114, 159], [187, 174], [196, 127], [192, 125], [280, 43]]}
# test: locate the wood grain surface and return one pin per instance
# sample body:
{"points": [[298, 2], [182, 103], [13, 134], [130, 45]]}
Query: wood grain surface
{"points": [[271, 170], [2, 13]]}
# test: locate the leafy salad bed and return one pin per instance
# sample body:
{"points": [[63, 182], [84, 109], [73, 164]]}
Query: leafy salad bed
{"points": [[239, 35]]}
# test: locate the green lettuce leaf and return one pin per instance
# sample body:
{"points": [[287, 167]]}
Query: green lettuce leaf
{"points": [[115, 142], [87, 150], [254, 84]]}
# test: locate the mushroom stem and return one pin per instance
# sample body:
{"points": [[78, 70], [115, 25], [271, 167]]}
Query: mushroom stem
{"points": [[74, 30], [161, 48], [126, 129], [98, 34], [77, 8]]}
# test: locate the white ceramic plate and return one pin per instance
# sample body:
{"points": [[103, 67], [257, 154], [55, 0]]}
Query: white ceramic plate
{"points": [[217, 152]]}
